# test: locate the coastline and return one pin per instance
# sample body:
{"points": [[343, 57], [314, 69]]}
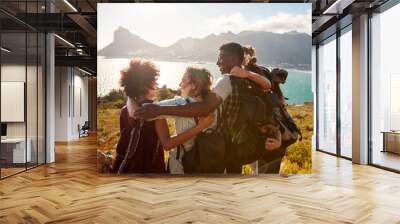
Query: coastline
{"points": [[295, 69]]}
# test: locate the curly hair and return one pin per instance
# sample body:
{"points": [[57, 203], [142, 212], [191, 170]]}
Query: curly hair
{"points": [[202, 78], [137, 79]]}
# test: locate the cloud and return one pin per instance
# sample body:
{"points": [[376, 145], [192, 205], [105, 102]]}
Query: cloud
{"points": [[278, 23], [224, 23]]}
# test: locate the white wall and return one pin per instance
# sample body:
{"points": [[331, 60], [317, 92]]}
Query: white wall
{"points": [[12, 73], [71, 87], [16, 73], [61, 103], [33, 127]]}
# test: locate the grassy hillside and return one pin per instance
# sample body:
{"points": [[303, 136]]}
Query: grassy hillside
{"points": [[297, 158]]}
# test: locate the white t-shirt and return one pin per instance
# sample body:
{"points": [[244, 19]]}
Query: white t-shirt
{"points": [[223, 87]]}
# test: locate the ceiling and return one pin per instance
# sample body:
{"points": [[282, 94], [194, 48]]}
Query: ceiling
{"points": [[328, 16], [75, 22]]}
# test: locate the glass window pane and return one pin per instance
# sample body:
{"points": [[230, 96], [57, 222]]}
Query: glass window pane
{"points": [[346, 94], [385, 89], [313, 88], [327, 96], [23, 87], [31, 97], [41, 98], [14, 153]]}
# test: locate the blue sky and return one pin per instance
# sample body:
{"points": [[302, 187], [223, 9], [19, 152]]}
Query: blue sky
{"points": [[163, 24]]}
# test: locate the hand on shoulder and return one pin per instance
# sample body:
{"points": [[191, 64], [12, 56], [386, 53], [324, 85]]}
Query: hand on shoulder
{"points": [[239, 72]]}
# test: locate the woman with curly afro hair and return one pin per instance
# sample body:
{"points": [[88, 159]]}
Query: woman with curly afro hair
{"points": [[139, 83]]}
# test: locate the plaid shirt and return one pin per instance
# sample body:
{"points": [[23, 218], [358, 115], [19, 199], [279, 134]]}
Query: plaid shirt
{"points": [[230, 109]]}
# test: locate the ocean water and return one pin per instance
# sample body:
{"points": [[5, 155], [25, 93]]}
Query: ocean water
{"points": [[297, 87]]}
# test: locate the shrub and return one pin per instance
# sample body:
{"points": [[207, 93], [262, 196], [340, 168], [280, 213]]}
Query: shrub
{"points": [[114, 95], [166, 93]]}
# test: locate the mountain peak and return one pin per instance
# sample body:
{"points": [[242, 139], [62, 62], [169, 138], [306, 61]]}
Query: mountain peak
{"points": [[268, 45], [227, 34], [293, 32], [122, 30], [188, 38], [122, 34], [211, 36], [247, 32]]}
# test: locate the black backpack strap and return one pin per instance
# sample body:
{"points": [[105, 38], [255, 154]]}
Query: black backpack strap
{"points": [[158, 151], [219, 119], [134, 137], [301, 135], [178, 153], [292, 123]]}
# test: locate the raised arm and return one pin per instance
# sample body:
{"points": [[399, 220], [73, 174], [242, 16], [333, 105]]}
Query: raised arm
{"points": [[260, 80], [196, 109], [172, 142]]}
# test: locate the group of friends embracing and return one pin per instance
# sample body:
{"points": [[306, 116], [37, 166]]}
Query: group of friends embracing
{"points": [[201, 107]]}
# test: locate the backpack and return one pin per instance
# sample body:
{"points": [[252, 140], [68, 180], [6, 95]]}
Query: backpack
{"points": [[258, 108], [208, 153], [289, 129], [128, 156], [247, 143], [261, 70]]}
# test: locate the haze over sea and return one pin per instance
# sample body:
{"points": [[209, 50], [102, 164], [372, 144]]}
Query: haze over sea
{"points": [[297, 87]]}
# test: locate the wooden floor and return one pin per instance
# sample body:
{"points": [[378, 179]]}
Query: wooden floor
{"points": [[10, 171], [71, 191], [387, 159]]}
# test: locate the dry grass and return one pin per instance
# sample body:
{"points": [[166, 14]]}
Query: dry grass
{"points": [[298, 155]]}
